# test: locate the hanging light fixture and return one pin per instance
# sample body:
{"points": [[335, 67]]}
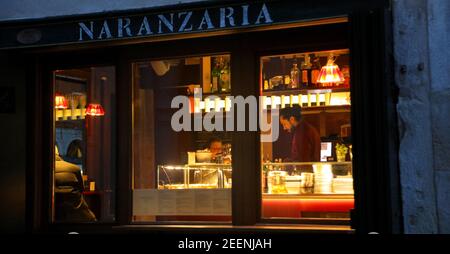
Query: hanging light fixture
{"points": [[330, 73], [95, 109], [61, 102]]}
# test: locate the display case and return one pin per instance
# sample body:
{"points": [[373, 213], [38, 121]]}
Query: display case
{"points": [[196, 176], [293, 178], [307, 190]]}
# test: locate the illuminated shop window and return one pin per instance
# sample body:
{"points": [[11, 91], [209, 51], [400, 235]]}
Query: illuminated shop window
{"points": [[181, 175], [307, 169], [85, 148]]}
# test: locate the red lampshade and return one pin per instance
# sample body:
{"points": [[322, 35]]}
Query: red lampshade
{"points": [[330, 73], [61, 102], [95, 109]]}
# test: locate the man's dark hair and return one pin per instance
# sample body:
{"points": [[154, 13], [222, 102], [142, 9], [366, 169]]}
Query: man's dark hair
{"points": [[294, 111]]}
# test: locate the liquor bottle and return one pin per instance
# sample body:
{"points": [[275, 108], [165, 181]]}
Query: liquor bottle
{"points": [[225, 78], [287, 81], [306, 70], [265, 82], [295, 76], [265, 174], [315, 71], [346, 73], [215, 75]]}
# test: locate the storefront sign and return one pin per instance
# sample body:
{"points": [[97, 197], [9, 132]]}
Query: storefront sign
{"points": [[174, 22], [199, 19], [139, 26]]}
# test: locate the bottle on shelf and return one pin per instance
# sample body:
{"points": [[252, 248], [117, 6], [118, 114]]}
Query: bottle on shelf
{"points": [[295, 76], [265, 174], [287, 81], [225, 78], [265, 83], [306, 70], [346, 73], [215, 76], [282, 83], [315, 70]]}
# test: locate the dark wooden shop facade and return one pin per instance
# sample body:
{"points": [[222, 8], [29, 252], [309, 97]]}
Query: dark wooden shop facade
{"points": [[362, 26]]}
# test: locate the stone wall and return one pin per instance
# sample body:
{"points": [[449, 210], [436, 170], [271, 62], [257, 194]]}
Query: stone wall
{"points": [[421, 52]]}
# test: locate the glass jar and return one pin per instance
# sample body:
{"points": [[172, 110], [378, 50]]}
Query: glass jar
{"points": [[277, 182]]}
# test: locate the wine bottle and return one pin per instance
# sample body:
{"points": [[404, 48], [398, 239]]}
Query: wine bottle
{"points": [[306, 70], [215, 75], [225, 78], [295, 76], [346, 74], [315, 71], [265, 83]]}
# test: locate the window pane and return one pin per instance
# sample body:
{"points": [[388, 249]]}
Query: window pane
{"points": [[181, 174], [307, 167], [84, 173]]}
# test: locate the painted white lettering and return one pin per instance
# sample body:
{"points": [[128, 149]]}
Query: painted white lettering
{"points": [[264, 13], [183, 26], [88, 31], [205, 20], [144, 28], [121, 26], [224, 16], [245, 15], [105, 30], [166, 22]]}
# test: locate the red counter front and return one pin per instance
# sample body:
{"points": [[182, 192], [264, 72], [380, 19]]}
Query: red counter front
{"points": [[293, 206]]}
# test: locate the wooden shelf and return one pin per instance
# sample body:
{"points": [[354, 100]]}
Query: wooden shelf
{"points": [[305, 91], [325, 109], [70, 114], [221, 95]]}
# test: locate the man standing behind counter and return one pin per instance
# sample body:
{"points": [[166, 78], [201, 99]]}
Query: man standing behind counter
{"points": [[305, 146]]}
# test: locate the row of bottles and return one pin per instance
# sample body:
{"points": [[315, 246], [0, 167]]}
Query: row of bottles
{"points": [[302, 75], [220, 75], [306, 76]]}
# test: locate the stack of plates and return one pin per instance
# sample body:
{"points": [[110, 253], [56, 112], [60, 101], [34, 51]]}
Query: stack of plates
{"points": [[323, 179], [343, 185], [293, 184]]}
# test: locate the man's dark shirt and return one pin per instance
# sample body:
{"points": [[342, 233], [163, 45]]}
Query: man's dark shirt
{"points": [[306, 142]]}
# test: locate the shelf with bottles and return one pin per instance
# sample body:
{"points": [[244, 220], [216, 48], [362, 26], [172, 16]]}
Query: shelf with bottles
{"points": [[216, 75], [305, 71]]}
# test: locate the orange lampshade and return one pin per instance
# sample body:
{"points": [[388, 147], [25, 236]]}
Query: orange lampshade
{"points": [[95, 109], [61, 102], [330, 73]]}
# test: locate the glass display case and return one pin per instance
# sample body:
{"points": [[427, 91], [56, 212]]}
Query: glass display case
{"points": [[196, 176], [308, 178], [307, 190]]}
